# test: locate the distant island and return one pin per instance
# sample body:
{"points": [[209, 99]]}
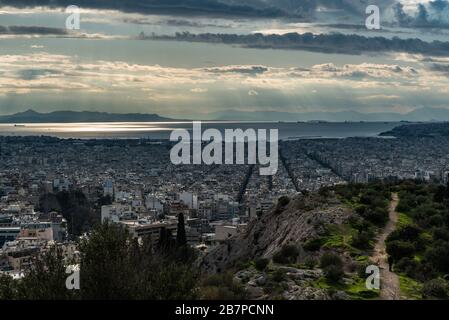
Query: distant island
{"points": [[440, 129], [31, 116], [418, 115]]}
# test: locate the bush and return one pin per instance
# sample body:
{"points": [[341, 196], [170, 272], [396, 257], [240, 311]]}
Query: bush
{"points": [[406, 233], [398, 249], [288, 254], [408, 266], [441, 234], [222, 287], [8, 287], [361, 269], [362, 240], [313, 244], [332, 266], [330, 259], [261, 264], [436, 288], [278, 275], [310, 262], [334, 273], [438, 256], [376, 215]]}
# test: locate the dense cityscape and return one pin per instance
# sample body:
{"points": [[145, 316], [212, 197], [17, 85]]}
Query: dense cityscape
{"points": [[133, 182]]}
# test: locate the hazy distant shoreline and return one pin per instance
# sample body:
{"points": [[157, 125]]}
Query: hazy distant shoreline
{"points": [[162, 130]]}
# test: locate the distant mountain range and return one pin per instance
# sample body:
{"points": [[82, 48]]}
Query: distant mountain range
{"points": [[31, 116], [421, 114]]}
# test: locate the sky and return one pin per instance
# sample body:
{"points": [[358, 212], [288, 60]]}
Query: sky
{"points": [[202, 59]]}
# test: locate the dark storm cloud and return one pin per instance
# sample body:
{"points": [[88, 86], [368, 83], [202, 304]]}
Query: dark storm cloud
{"points": [[30, 30], [237, 8], [249, 70], [328, 43], [434, 14], [247, 8], [440, 67]]}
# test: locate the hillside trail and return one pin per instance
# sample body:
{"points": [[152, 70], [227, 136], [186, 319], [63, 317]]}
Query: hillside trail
{"points": [[389, 281]]}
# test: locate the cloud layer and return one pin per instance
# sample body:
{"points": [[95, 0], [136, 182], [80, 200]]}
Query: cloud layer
{"points": [[303, 9], [434, 14], [49, 81], [330, 43]]}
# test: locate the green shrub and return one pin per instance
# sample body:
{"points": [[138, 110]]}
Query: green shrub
{"points": [[408, 266], [436, 288], [438, 256], [334, 273], [288, 254], [278, 275], [441, 234], [313, 244], [362, 240], [332, 266], [221, 287], [310, 262], [398, 249], [261, 264], [330, 259], [361, 269]]}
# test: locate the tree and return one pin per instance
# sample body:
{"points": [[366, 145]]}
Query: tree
{"points": [[106, 271], [222, 287], [329, 259], [334, 273], [435, 288], [362, 240], [8, 287], [399, 249], [74, 207], [181, 239], [438, 256], [332, 265], [113, 265], [261, 263], [166, 243], [288, 254], [116, 266], [46, 278]]}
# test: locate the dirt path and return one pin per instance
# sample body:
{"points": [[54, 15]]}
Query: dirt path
{"points": [[389, 281]]}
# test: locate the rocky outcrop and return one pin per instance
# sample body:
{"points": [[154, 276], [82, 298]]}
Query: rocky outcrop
{"points": [[302, 218], [297, 284]]}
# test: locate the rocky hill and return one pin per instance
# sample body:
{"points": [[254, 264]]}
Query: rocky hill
{"points": [[31, 116], [303, 218]]}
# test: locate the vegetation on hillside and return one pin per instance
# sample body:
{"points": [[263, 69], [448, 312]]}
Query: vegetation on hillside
{"points": [[115, 266], [420, 246]]}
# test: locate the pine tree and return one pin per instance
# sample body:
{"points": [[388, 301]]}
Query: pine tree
{"points": [[181, 239]]}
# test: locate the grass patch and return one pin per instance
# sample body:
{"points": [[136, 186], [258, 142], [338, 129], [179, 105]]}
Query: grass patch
{"points": [[339, 236], [410, 288], [404, 220], [362, 258], [356, 291]]}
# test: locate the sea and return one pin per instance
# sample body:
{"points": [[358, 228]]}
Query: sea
{"points": [[162, 130]]}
